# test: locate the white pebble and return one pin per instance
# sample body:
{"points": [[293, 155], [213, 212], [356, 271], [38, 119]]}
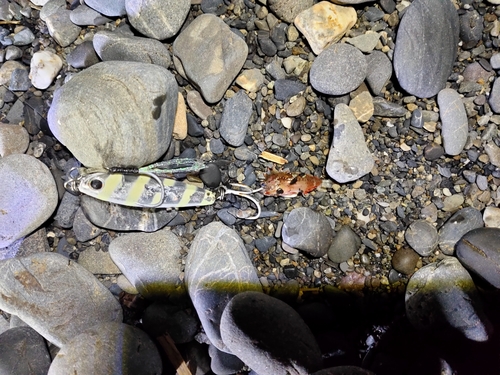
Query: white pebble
{"points": [[44, 68]]}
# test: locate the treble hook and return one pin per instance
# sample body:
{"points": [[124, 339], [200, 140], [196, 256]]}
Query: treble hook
{"points": [[245, 193]]}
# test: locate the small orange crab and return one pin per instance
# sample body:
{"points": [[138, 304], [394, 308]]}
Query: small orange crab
{"points": [[289, 185]]}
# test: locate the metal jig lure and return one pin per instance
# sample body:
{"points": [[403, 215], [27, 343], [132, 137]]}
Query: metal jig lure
{"points": [[146, 187]]}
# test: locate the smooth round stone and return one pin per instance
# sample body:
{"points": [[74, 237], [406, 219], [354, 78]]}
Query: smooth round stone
{"points": [[83, 56], [224, 363], [110, 8], [307, 230], [338, 70], [28, 196], [441, 297], [235, 119], [150, 261], [217, 268], [84, 16], [55, 296], [23, 351], [455, 127], [116, 113], [44, 67], [426, 47], [471, 28], [109, 348], [111, 46], [405, 260], [423, 237], [460, 223], [344, 245], [491, 217], [224, 54], [278, 342], [479, 251], [494, 99]]}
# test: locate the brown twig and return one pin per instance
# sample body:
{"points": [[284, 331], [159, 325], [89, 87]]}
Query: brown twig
{"points": [[173, 354], [10, 22]]}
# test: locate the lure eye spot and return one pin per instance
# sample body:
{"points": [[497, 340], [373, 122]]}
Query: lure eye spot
{"points": [[96, 184], [279, 191]]}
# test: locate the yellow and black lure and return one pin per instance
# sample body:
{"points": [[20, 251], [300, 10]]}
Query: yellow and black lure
{"points": [[145, 187]]}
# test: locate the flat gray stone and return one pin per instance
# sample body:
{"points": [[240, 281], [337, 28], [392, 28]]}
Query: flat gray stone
{"points": [[349, 157], [344, 245], [235, 119], [338, 70], [217, 268], [426, 47], [67, 209], [111, 46], [23, 351], [224, 54], [461, 222], [442, 297], [108, 348], [97, 262], [110, 8], [158, 19], [287, 10], [422, 237], [277, 342], [85, 16], [83, 56], [21, 214], [116, 113], [61, 28], [378, 71], [83, 229], [115, 217], [307, 230], [455, 127], [55, 296], [150, 261]]}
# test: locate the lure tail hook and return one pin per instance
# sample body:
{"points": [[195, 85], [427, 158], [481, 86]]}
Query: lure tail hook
{"points": [[244, 193]]}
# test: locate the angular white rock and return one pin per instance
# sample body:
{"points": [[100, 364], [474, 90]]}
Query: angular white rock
{"points": [[44, 67]]}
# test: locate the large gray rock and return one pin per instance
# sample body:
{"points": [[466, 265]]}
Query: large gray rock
{"points": [[479, 251], [150, 261], [108, 348], [338, 70], [28, 196], [223, 55], [269, 336], [455, 126], [461, 222], [55, 296], [158, 19], [116, 113], [349, 157], [118, 46], [235, 119], [426, 46], [217, 268], [23, 351], [442, 297]]}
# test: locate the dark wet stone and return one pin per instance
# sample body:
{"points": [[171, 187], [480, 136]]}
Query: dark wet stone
{"points": [[405, 260], [194, 127], [441, 297], [216, 7], [422, 236], [278, 342], [284, 89], [384, 108], [378, 72], [265, 243], [417, 119], [83, 56], [433, 151], [266, 44], [235, 119], [426, 47], [344, 245], [211, 176], [479, 251]]}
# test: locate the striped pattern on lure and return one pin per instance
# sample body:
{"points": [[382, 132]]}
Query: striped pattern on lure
{"points": [[139, 190]]}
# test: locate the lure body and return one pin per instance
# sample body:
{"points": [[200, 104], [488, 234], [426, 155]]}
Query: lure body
{"points": [[289, 185], [143, 191]]}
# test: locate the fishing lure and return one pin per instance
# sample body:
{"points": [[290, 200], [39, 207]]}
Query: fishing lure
{"points": [[143, 187], [289, 185]]}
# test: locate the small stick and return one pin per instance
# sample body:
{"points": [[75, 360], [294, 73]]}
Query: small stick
{"points": [[173, 354], [274, 158], [10, 22]]}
